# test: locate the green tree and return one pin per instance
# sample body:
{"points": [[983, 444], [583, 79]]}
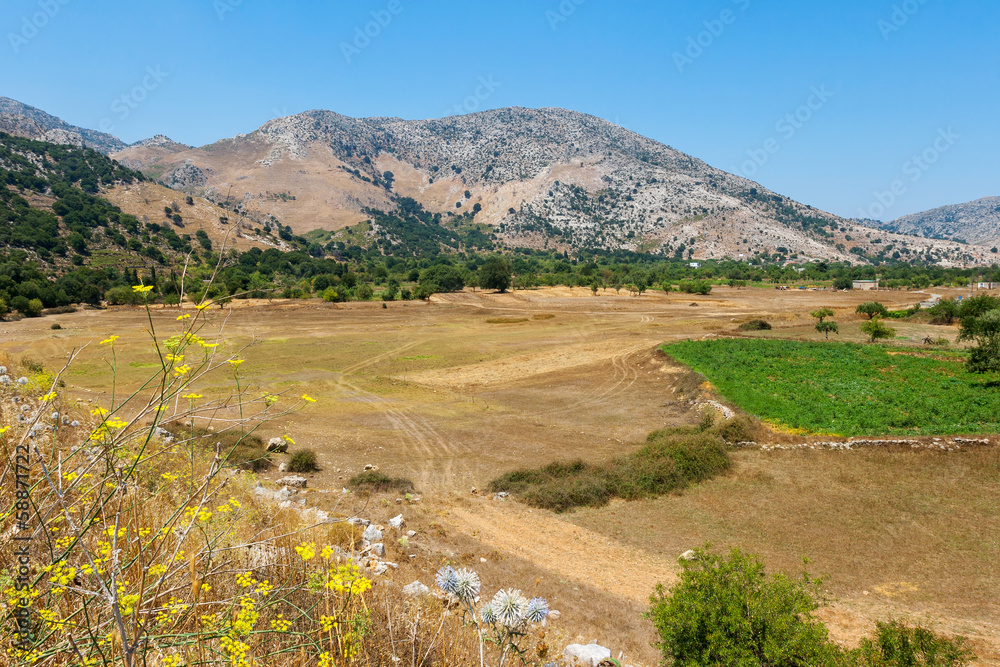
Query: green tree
{"points": [[827, 327], [897, 645], [822, 314], [35, 308], [945, 311], [876, 329], [843, 283], [364, 292], [495, 273], [984, 357], [728, 611], [872, 309]]}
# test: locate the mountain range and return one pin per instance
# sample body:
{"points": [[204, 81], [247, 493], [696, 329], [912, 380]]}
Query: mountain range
{"points": [[973, 222], [541, 178]]}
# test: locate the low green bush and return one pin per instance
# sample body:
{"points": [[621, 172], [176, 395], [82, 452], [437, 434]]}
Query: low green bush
{"points": [[726, 610], [756, 325], [669, 461], [303, 460], [373, 481]]}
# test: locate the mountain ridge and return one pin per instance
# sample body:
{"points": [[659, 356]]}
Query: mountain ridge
{"points": [[541, 178], [977, 221]]}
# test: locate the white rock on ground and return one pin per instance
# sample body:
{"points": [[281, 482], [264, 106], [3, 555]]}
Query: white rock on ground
{"points": [[397, 521], [589, 655], [378, 549], [277, 445], [416, 589], [293, 481], [372, 534]]}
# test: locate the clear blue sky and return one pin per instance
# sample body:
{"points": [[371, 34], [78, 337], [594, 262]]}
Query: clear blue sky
{"points": [[227, 66]]}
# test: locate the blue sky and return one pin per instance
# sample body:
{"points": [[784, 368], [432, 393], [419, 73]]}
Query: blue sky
{"points": [[828, 103]]}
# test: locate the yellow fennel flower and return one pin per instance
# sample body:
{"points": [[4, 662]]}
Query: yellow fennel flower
{"points": [[109, 341]]}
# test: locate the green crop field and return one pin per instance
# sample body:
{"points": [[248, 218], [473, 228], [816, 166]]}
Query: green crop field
{"points": [[847, 389]]}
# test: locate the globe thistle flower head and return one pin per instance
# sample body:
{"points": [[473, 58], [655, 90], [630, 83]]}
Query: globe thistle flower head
{"points": [[466, 585], [488, 613], [511, 608], [446, 579], [537, 610]]}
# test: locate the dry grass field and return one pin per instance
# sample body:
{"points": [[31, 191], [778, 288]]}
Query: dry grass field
{"points": [[454, 392]]}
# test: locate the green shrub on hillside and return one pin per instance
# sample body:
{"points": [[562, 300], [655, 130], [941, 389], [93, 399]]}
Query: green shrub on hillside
{"points": [[667, 462], [303, 460], [727, 611], [373, 481], [755, 325]]}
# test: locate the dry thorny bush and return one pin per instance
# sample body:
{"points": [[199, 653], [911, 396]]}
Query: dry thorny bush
{"points": [[123, 546]]}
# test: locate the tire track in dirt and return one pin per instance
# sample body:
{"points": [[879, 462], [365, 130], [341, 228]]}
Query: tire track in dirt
{"points": [[568, 550], [371, 361], [621, 365], [419, 436]]}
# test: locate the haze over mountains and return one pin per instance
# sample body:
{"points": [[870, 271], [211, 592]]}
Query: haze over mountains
{"points": [[545, 178]]}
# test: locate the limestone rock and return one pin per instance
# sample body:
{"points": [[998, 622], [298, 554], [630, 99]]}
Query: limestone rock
{"points": [[372, 534], [397, 522], [293, 481], [416, 589], [277, 445], [589, 655]]}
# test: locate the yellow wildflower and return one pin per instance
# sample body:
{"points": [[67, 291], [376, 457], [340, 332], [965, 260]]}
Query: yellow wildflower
{"points": [[280, 624], [235, 362], [48, 397], [308, 399], [109, 341], [182, 370], [203, 306], [142, 289], [306, 551], [186, 316]]}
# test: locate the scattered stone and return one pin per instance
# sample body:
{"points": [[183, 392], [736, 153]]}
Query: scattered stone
{"points": [[416, 589], [380, 569], [378, 549], [397, 522], [475, 491], [163, 434], [294, 481], [688, 555], [3, 370], [5, 379], [277, 445], [371, 467], [590, 655], [411, 533], [372, 534], [285, 493], [55, 416], [22, 380], [74, 423], [357, 521], [283, 467], [501, 495], [482, 560]]}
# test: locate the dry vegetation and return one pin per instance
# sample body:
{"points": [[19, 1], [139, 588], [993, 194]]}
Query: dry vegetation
{"points": [[436, 394]]}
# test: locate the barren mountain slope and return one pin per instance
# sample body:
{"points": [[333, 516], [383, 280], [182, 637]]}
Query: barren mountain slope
{"points": [[27, 121], [974, 222], [544, 178]]}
